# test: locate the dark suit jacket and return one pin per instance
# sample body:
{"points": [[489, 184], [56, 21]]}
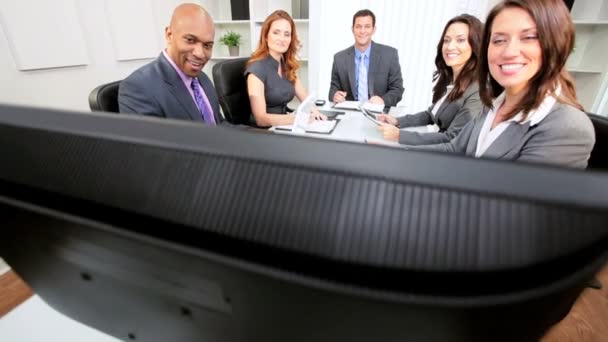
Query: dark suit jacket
{"points": [[156, 89], [451, 118], [384, 75], [564, 137]]}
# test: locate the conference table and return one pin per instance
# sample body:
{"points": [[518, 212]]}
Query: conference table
{"points": [[354, 127]]}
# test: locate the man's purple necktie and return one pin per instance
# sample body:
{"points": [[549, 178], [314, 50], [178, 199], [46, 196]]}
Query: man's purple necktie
{"points": [[200, 102]]}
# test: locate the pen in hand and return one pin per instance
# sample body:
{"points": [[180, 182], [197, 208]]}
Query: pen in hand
{"points": [[340, 96]]}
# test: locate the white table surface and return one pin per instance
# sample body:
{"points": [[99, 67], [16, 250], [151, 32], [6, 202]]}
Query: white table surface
{"points": [[354, 127], [35, 321]]}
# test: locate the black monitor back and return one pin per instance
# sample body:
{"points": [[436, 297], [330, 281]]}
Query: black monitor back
{"points": [[169, 231]]}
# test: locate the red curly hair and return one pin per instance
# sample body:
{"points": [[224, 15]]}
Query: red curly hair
{"points": [[289, 57]]}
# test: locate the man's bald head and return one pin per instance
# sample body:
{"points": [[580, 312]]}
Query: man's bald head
{"points": [[189, 12], [189, 37]]}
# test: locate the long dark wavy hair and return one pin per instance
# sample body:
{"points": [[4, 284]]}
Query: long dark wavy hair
{"points": [[289, 57], [469, 72], [556, 37]]}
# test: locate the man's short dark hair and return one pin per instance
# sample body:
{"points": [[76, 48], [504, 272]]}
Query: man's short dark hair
{"points": [[365, 13]]}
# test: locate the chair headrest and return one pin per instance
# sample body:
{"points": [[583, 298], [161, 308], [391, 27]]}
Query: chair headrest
{"points": [[599, 154], [231, 87], [104, 98]]}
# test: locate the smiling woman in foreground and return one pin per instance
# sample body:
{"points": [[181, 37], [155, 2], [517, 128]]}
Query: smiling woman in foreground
{"points": [[533, 112]]}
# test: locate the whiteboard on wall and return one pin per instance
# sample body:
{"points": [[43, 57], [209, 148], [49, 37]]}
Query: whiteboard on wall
{"points": [[133, 29], [43, 34]]}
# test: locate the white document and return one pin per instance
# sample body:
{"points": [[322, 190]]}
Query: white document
{"points": [[374, 107], [316, 126], [302, 123], [303, 115], [354, 105], [350, 105], [399, 111]]}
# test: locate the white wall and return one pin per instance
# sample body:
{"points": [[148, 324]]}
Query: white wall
{"points": [[411, 26], [111, 54], [68, 87]]}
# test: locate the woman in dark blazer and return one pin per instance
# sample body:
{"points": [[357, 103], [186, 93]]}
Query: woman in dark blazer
{"points": [[533, 114], [272, 72], [455, 95]]}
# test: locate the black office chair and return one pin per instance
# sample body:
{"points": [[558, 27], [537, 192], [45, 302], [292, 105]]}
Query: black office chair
{"points": [[104, 98], [599, 155], [231, 88], [599, 158]]}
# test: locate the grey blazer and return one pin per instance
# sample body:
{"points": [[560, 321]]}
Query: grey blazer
{"points": [[451, 117], [384, 75], [564, 137], [156, 89]]}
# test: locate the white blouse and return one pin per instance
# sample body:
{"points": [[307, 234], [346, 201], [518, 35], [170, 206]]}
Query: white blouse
{"points": [[442, 99]]}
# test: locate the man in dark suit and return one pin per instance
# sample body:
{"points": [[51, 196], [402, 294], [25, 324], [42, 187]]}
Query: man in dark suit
{"points": [[366, 71], [173, 85]]}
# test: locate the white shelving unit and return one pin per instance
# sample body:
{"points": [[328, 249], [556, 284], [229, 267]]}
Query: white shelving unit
{"points": [[588, 63], [250, 29]]}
